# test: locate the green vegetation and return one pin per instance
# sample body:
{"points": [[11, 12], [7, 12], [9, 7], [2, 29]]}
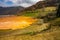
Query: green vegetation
{"points": [[56, 22], [39, 12], [37, 31]]}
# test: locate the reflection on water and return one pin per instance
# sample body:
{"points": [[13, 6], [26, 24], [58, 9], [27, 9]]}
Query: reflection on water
{"points": [[15, 22]]}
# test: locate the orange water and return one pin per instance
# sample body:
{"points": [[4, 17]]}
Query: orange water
{"points": [[16, 22]]}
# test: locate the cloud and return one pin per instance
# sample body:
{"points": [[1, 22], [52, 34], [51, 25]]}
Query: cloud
{"points": [[23, 3]]}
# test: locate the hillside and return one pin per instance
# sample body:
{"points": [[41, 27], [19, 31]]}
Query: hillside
{"points": [[10, 10], [33, 23], [40, 29], [18, 10], [51, 32], [42, 4]]}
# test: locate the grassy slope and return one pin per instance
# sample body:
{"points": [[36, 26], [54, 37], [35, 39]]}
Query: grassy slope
{"points": [[38, 12], [51, 34], [33, 32]]}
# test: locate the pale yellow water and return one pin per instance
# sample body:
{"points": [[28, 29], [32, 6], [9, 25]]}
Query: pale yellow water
{"points": [[16, 22]]}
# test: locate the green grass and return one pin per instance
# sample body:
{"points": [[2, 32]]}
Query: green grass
{"points": [[30, 33], [39, 12]]}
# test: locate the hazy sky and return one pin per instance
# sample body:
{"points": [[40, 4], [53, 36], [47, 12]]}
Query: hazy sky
{"points": [[24, 3]]}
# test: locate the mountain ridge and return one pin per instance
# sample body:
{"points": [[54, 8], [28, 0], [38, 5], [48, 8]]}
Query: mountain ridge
{"points": [[10, 10]]}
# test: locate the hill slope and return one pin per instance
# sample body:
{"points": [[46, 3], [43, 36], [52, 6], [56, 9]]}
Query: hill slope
{"points": [[10, 10]]}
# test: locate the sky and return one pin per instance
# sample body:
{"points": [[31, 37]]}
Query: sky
{"points": [[23, 3]]}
